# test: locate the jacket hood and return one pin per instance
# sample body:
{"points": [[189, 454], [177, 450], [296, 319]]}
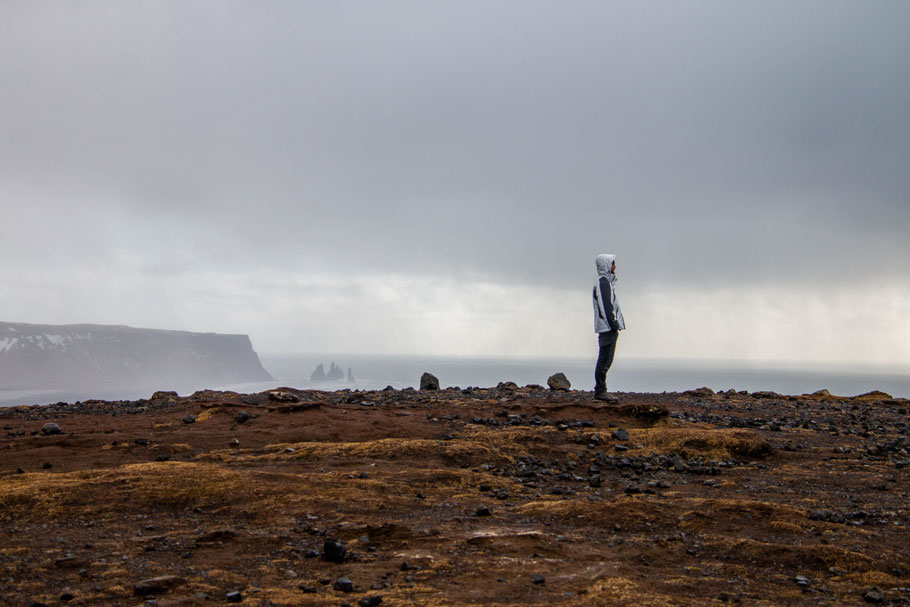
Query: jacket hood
{"points": [[604, 263]]}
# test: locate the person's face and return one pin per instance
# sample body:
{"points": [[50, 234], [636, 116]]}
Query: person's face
{"points": [[613, 268]]}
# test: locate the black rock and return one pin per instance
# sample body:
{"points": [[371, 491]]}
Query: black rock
{"points": [[51, 428], [20, 471], [428, 381], [142, 442], [46, 466], [559, 381], [163, 458], [874, 595], [307, 589], [311, 554], [67, 596], [621, 434], [370, 601], [343, 584], [539, 579], [189, 419], [233, 597], [483, 511], [333, 551], [242, 417]]}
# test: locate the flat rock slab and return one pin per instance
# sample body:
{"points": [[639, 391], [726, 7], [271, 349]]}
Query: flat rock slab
{"points": [[157, 585]]}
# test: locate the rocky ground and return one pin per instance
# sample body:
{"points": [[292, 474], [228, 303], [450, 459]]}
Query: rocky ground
{"points": [[496, 496]]}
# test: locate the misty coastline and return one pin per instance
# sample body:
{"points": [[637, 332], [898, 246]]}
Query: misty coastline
{"points": [[643, 376]]}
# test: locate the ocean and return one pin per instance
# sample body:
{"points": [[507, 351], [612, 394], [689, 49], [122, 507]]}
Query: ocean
{"points": [[627, 375]]}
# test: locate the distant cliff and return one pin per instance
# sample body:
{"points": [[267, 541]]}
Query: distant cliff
{"points": [[95, 356]]}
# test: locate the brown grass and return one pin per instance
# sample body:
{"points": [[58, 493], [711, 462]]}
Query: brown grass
{"points": [[713, 443]]}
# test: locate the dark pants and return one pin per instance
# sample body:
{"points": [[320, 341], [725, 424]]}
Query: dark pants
{"points": [[607, 343]]}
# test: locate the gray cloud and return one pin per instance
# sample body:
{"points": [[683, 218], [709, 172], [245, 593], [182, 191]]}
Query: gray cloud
{"points": [[705, 143]]}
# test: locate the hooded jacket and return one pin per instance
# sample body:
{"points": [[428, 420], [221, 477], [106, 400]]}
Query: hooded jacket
{"points": [[607, 313]]}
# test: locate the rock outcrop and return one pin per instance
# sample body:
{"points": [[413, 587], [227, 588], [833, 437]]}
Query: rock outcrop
{"points": [[335, 373], [105, 356]]}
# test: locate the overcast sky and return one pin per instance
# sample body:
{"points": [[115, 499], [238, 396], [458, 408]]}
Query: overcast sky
{"points": [[437, 177]]}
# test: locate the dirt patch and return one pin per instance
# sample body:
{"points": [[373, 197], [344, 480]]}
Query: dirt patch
{"points": [[479, 497]]}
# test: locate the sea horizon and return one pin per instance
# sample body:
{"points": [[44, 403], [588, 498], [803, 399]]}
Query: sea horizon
{"points": [[375, 372]]}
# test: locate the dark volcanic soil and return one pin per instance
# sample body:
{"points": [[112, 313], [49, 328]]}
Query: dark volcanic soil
{"points": [[487, 497]]}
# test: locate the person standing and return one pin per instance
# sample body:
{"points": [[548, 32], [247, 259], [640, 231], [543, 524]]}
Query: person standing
{"points": [[608, 322]]}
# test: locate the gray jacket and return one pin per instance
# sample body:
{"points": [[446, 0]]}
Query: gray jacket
{"points": [[607, 313]]}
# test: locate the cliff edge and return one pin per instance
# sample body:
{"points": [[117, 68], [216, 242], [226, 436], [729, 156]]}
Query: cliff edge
{"points": [[82, 356]]}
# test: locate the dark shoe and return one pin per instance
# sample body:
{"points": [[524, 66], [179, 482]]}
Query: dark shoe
{"points": [[607, 398]]}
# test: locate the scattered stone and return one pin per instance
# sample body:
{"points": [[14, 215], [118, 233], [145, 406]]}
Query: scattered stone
{"points": [[165, 395], [283, 396], [370, 601], [46, 466], [308, 589], [539, 579], [483, 511], [51, 428], [218, 536], [620, 434], [234, 443], [766, 394], [242, 417], [646, 413], [67, 596], [428, 381], [875, 395], [163, 457], [333, 551], [874, 595], [20, 471], [189, 419], [142, 442], [343, 584], [233, 596], [507, 385], [157, 585], [559, 381]]}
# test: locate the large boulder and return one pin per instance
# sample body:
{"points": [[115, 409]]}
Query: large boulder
{"points": [[428, 381], [559, 381]]}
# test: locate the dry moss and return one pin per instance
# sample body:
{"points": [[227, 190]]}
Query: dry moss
{"points": [[630, 512], [621, 592], [714, 443], [49, 496], [382, 449]]}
